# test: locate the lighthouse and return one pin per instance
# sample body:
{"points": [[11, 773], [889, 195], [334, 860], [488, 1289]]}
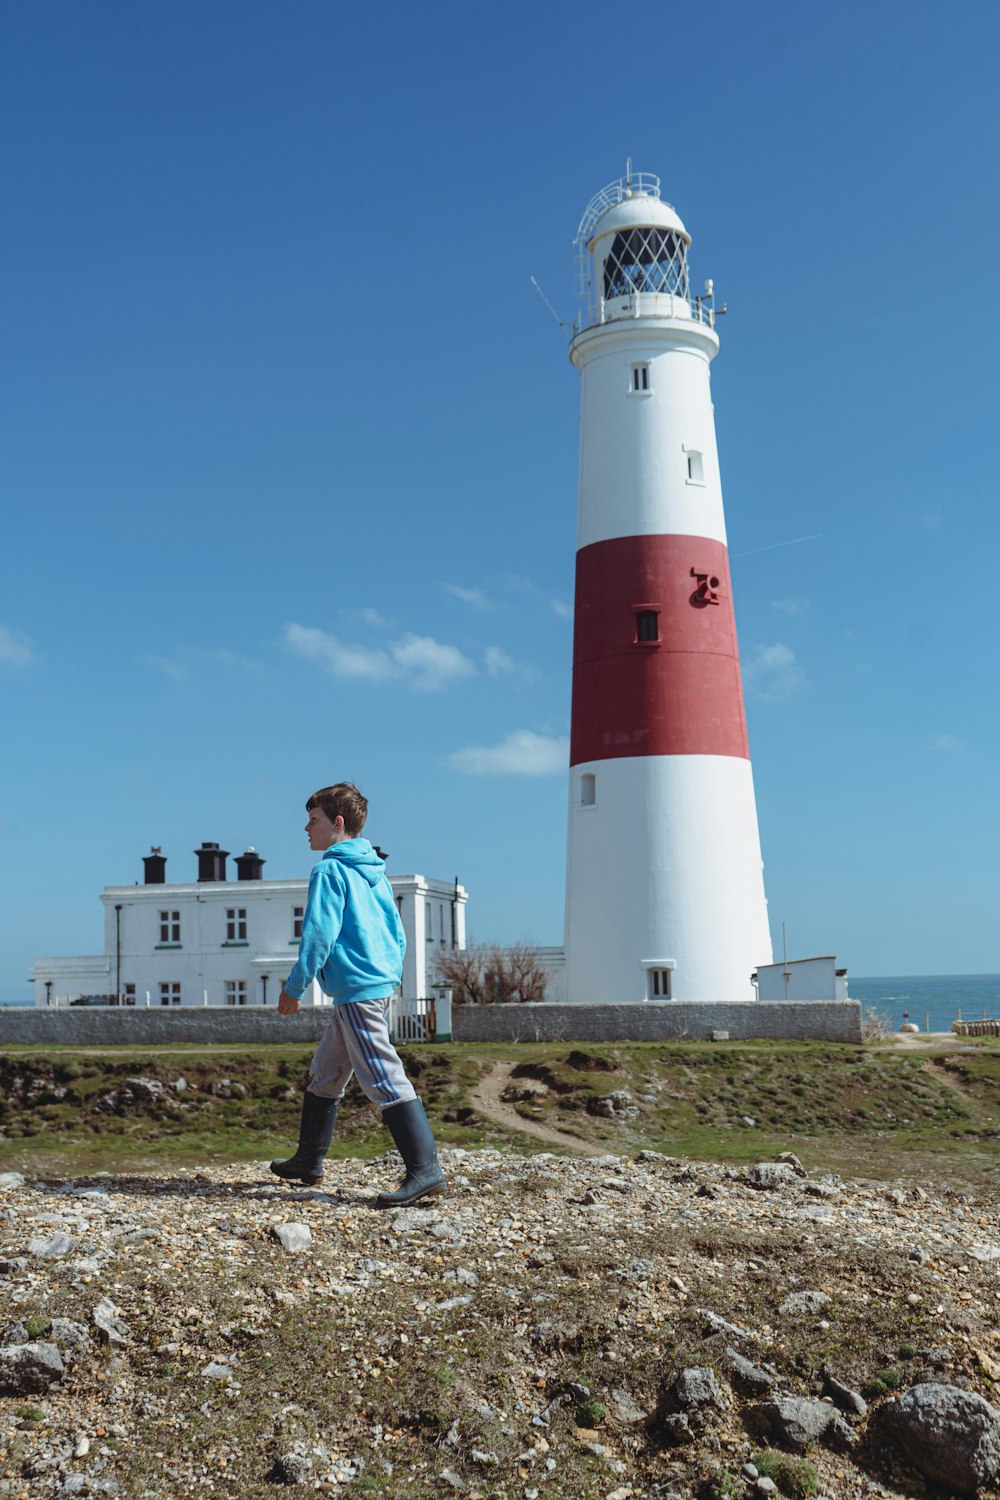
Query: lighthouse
{"points": [[665, 889]]}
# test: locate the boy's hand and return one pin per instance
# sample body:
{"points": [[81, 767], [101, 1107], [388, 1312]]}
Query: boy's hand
{"points": [[287, 1004]]}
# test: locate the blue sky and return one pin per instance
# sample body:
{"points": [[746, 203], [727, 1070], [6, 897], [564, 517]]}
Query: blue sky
{"points": [[288, 462]]}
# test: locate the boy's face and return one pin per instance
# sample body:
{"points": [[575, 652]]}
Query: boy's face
{"points": [[322, 833]]}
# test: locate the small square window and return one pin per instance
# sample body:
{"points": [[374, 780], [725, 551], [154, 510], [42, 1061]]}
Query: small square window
{"points": [[588, 789], [298, 912], [170, 993], [236, 992], [640, 379]]}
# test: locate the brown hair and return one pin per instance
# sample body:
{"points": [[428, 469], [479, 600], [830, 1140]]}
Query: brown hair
{"points": [[342, 800]]}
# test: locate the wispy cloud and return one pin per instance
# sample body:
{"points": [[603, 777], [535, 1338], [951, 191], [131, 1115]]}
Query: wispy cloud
{"points": [[430, 664], [234, 659], [499, 664], [946, 743], [427, 664], [475, 598], [16, 648], [790, 606], [773, 674], [371, 617], [168, 668], [522, 753], [561, 609]]}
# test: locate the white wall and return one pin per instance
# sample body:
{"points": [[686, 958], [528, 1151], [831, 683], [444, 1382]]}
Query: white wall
{"points": [[807, 979]]}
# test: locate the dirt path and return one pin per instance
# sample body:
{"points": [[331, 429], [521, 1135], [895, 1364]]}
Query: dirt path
{"points": [[485, 1098]]}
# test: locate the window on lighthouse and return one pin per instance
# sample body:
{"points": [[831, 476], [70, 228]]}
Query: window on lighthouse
{"points": [[640, 378], [646, 260], [588, 789], [647, 626], [658, 981]]}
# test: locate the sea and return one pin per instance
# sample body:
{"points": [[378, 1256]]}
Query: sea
{"points": [[930, 1001]]}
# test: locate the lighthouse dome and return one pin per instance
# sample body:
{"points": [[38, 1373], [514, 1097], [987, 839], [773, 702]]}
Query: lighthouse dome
{"points": [[637, 247]]}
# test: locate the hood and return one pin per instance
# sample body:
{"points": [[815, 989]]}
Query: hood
{"points": [[360, 855]]}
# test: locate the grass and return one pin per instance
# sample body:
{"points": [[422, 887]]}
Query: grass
{"points": [[876, 1110]]}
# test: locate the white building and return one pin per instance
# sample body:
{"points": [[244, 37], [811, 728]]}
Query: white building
{"points": [[216, 941], [665, 891]]}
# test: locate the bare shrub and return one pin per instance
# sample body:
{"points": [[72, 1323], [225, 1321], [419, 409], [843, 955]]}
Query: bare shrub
{"points": [[875, 1025], [487, 974]]}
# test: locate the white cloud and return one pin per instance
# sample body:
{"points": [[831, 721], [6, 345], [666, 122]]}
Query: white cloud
{"points": [[336, 657], [16, 649], [499, 664], [373, 618], [474, 597], [233, 659], [431, 664], [773, 674], [427, 664], [168, 668], [946, 742], [563, 610], [522, 753], [790, 606]]}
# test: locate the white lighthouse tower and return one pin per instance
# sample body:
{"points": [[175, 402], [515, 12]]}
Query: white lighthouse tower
{"points": [[665, 891]]}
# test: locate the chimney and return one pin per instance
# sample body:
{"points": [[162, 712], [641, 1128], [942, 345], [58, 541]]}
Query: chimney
{"points": [[211, 862], [155, 866], [250, 866]]}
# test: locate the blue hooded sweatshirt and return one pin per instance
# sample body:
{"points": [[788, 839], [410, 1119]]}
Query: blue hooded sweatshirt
{"points": [[352, 938]]}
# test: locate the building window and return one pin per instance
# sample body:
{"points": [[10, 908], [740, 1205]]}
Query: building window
{"points": [[298, 912], [428, 922], [128, 994], [695, 466], [658, 984], [441, 921], [236, 924], [170, 926], [236, 992], [640, 379], [647, 627], [588, 789], [170, 993]]}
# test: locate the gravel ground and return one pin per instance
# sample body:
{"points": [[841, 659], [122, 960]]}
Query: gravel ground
{"points": [[522, 1337]]}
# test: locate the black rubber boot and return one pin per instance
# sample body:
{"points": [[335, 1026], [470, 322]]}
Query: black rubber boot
{"points": [[315, 1135], [410, 1129]]}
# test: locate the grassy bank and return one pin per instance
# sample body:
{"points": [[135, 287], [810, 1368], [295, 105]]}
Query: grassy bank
{"points": [[877, 1111]]}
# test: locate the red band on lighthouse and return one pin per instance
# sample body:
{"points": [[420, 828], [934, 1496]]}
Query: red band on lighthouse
{"points": [[655, 662]]}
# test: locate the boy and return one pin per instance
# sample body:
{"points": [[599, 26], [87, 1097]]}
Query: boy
{"points": [[352, 941]]}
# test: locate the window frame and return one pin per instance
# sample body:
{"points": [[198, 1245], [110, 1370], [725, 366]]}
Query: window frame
{"points": [[645, 609]]}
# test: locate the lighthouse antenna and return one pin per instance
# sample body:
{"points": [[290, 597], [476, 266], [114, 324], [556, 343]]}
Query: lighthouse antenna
{"points": [[559, 322]]}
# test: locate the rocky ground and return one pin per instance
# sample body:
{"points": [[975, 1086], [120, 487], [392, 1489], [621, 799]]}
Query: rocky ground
{"points": [[603, 1327]]}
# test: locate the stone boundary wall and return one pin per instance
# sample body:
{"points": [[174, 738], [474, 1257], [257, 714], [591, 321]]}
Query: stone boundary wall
{"points": [[672, 1020], [97, 1026], [156, 1026]]}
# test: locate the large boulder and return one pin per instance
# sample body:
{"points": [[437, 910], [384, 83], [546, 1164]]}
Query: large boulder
{"points": [[949, 1435], [29, 1368]]}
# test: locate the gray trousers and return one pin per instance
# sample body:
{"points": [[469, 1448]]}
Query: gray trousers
{"points": [[357, 1041]]}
